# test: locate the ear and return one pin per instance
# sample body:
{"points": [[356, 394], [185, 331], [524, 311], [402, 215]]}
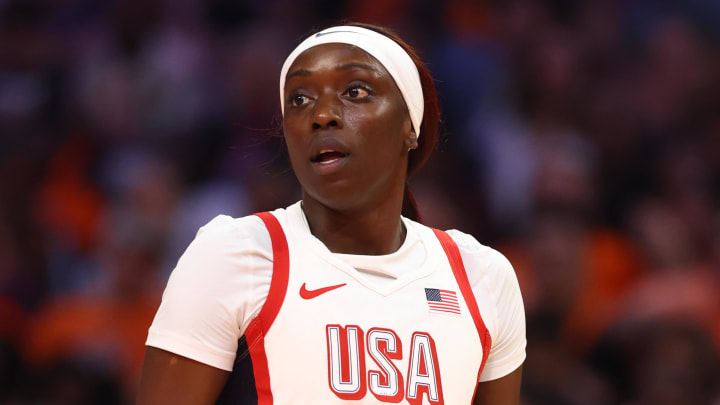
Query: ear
{"points": [[411, 141]]}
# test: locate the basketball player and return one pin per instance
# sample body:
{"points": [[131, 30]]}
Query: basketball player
{"points": [[338, 298]]}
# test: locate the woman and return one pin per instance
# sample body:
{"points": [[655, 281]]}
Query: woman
{"points": [[338, 297]]}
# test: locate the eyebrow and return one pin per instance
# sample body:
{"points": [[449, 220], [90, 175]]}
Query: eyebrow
{"points": [[346, 66], [299, 72]]}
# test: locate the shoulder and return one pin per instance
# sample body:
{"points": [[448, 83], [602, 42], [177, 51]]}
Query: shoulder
{"points": [[480, 259], [224, 227], [225, 234], [224, 247], [227, 239], [217, 287], [497, 293], [486, 268], [492, 279]]}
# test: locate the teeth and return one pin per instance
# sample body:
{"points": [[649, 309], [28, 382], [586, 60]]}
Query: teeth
{"points": [[327, 156]]}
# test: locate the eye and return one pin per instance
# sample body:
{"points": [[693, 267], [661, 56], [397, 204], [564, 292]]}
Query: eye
{"points": [[357, 92], [298, 100]]}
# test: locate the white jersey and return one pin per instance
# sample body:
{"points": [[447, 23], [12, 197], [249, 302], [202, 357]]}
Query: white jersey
{"points": [[327, 328]]}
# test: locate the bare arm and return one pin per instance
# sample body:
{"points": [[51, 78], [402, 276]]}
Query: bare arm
{"points": [[503, 391], [168, 378]]}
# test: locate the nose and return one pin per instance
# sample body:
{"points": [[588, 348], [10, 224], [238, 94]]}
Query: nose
{"points": [[327, 113]]}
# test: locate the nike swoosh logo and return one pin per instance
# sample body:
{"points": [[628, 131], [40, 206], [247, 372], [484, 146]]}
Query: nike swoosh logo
{"points": [[310, 294], [321, 34]]}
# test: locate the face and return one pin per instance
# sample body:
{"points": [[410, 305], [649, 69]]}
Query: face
{"points": [[346, 127]]}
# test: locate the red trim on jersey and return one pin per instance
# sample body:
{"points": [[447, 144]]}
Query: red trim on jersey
{"points": [[281, 265], [256, 346], [259, 327], [453, 254]]}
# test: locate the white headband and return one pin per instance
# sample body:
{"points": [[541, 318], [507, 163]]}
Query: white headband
{"points": [[389, 53]]}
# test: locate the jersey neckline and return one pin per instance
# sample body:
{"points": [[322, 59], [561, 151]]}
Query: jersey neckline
{"points": [[369, 263]]}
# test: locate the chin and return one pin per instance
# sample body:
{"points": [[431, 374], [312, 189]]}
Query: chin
{"points": [[337, 196], [340, 201]]}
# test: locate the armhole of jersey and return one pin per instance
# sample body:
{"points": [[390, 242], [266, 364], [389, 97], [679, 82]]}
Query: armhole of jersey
{"points": [[259, 327], [458, 268]]}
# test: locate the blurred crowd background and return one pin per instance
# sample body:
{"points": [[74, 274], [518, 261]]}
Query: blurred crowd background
{"points": [[581, 139]]}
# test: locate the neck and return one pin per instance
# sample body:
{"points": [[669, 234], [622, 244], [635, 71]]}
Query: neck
{"points": [[362, 231]]}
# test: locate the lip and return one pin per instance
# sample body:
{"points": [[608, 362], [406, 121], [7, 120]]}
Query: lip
{"points": [[326, 144], [330, 166]]}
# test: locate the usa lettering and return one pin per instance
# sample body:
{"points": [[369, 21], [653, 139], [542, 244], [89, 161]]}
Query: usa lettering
{"points": [[349, 377]]}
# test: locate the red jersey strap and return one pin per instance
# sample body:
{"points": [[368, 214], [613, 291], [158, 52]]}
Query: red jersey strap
{"points": [[281, 264], [458, 268], [259, 327]]}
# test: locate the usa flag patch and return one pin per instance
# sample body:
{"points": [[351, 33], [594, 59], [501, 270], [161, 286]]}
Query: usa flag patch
{"points": [[442, 301]]}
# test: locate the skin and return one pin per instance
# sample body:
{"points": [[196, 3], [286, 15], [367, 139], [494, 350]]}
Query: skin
{"points": [[339, 91], [337, 97]]}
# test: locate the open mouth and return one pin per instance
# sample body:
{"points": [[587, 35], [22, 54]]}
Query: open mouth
{"points": [[327, 156]]}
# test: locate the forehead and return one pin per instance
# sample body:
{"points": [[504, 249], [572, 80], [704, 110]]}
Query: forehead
{"points": [[333, 56]]}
